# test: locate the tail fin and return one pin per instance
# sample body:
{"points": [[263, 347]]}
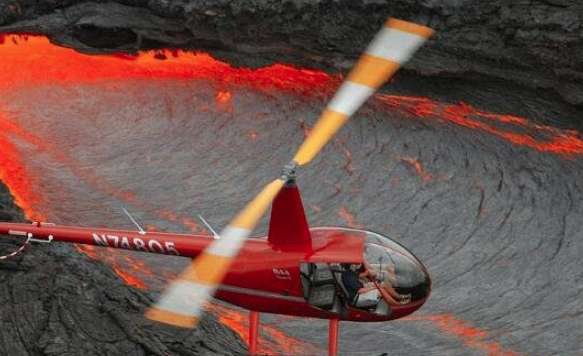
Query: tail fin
{"points": [[288, 227]]}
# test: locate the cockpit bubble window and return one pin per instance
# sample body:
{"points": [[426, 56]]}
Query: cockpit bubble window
{"points": [[387, 268], [395, 268]]}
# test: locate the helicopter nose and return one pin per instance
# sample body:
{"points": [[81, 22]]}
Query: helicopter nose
{"points": [[410, 280], [399, 272]]}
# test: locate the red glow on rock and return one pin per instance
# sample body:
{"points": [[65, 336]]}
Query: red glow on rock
{"points": [[14, 174], [192, 225], [471, 336], [87, 174], [419, 169], [223, 97], [315, 208], [272, 341], [347, 155], [130, 279], [305, 128], [32, 61], [253, 135], [152, 228], [126, 273], [349, 218], [516, 130], [223, 100], [38, 61]]}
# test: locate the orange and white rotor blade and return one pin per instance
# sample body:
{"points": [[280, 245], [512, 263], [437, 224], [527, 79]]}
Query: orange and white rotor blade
{"points": [[392, 47], [181, 304]]}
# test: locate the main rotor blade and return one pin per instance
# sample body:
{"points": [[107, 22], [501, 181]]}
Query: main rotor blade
{"points": [[181, 304], [391, 48]]}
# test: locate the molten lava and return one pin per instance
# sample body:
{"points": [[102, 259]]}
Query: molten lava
{"points": [[14, 174], [516, 130], [471, 336], [29, 61], [272, 340], [40, 62]]}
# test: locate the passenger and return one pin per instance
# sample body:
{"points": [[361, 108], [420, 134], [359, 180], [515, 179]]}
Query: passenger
{"points": [[369, 271], [383, 274], [388, 291]]}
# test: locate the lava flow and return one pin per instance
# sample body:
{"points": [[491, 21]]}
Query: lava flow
{"points": [[39, 62], [31, 61], [13, 174], [516, 130], [471, 336]]}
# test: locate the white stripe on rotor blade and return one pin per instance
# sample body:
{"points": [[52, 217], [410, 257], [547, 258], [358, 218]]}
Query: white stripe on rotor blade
{"points": [[394, 45], [232, 238], [350, 98], [185, 298]]}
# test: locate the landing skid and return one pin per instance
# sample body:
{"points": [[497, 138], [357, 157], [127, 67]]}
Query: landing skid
{"points": [[254, 316]]}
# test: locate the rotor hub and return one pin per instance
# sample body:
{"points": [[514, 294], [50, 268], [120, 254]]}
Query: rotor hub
{"points": [[288, 173]]}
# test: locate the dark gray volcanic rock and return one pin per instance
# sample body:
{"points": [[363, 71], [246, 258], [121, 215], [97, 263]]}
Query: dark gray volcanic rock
{"points": [[56, 301], [537, 44]]}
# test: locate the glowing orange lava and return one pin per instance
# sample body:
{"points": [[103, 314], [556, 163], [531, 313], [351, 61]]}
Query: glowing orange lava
{"points": [[223, 97], [14, 175], [129, 277], [28, 61], [85, 173], [38, 62], [416, 164], [471, 336], [514, 129], [272, 341]]}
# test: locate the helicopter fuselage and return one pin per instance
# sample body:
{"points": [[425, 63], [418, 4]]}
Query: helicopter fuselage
{"points": [[264, 277]]}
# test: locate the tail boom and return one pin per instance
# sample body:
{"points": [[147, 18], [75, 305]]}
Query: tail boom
{"points": [[151, 242]]}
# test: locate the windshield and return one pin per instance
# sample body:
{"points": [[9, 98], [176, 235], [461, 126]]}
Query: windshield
{"points": [[396, 270]]}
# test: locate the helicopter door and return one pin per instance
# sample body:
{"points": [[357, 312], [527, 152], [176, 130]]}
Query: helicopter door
{"points": [[319, 286], [324, 288]]}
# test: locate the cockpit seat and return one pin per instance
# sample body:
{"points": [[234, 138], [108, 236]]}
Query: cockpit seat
{"points": [[323, 296], [322, 275], [367, 300]]}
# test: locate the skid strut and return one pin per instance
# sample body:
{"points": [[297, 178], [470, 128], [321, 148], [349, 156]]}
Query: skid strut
{"points": [[253, 332], [333, 337]]}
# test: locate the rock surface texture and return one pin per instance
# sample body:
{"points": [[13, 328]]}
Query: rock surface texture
{"points": [[536, 44], [481, 198], [56, 301]]}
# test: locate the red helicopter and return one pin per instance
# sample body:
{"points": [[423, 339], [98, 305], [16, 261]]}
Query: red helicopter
{"points": [[325, 272]]}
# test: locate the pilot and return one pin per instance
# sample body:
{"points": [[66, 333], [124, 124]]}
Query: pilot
{"points": [[351, 280], [356, 282]]}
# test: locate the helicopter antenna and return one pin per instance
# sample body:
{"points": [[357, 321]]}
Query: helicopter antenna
{"points": [[140, 230], [209, 227]]}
